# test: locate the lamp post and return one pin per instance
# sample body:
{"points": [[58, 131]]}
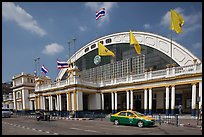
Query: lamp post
{"points": [[69, 42], [74, 39], [37, 66]]}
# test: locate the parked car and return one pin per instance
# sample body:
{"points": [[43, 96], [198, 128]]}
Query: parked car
{"points": [[6, 112], [129, 117]]}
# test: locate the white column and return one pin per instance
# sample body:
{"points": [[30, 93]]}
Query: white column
{"points": [[150, 101], [43, 102], [57, 102], [127, 99], [200, 94], [102, 101], [145, 99], [51, 102], [131, 99], [14, 100], [116, 101], [35, 102], [30, 102], [167, 98], [173, 98], [112, 100], [67, 101], [193, 105], [60, 102], [23, 98]]}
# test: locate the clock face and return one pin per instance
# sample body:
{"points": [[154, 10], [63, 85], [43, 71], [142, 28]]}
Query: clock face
{"points": [[97, 59]]}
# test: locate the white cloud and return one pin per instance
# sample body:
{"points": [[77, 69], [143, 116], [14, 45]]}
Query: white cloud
{"points": [[12, 12], [146, 26], [82, 28], [52, 49], [192, 21], [95, 6]]}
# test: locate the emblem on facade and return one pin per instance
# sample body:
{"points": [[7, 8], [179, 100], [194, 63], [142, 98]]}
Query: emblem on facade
{"points": [[97, 59]]}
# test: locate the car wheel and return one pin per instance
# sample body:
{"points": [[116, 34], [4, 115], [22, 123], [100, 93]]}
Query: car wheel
{"points": [[140, 124], [116, 122]]}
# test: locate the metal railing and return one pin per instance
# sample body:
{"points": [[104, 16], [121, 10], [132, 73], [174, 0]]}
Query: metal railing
{"points": [[106, 81]]}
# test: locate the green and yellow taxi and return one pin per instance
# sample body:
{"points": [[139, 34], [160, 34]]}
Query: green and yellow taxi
{"points": [[129, 117]]}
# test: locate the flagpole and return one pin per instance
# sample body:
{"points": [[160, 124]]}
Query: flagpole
{"points": [[36, 67], [38, 62], [96, 30]]}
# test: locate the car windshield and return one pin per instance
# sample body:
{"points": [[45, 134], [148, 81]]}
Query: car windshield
{"points": [[138, 114]]}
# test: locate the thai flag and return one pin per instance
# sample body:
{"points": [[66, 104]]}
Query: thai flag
{"points": [[61, 64], [100, 13], [44, 70]]}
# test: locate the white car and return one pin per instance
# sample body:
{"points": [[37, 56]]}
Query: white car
{"points": [[6, 113]]}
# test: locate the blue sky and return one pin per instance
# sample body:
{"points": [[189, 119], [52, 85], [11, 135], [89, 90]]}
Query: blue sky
{"points": [[42, 29]]}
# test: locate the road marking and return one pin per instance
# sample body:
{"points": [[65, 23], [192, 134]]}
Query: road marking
{"points": [[76, 128], [30, 128], [90, 130], [87, 130]]}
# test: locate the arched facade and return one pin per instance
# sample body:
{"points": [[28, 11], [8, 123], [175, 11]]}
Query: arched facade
{"points": [[170, 48]]}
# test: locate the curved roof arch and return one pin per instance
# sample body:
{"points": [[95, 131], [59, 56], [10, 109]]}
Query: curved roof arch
{"points": [[169, 47]]}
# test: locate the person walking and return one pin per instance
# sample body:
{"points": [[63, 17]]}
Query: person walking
{"points": [[180, 109]]}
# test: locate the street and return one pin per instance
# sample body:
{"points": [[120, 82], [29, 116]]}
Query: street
{"points": [[22, 125]]}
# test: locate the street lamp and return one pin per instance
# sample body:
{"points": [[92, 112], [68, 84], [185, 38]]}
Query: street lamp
{"points": [[69, 42], [74, 39], [37, 66]]}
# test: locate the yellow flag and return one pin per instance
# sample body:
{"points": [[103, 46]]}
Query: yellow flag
{"points": [[103, 51], [177, 21], [136, 44]]}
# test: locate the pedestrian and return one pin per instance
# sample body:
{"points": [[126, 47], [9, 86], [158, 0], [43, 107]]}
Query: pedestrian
{"points": [[180, 109]]}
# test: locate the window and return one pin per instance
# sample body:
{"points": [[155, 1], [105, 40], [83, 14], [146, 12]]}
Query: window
{"points": [[122, 114], [101, 42], [19, 94], [108, 40], [130, 114], [93, 46], [87, 49]]}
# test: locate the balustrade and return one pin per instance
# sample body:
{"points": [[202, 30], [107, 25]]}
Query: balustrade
{"points": [[104, 81]]}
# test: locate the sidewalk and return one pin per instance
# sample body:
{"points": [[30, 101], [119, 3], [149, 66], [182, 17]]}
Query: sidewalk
{"points": [[186, 120], [189, 121]]}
